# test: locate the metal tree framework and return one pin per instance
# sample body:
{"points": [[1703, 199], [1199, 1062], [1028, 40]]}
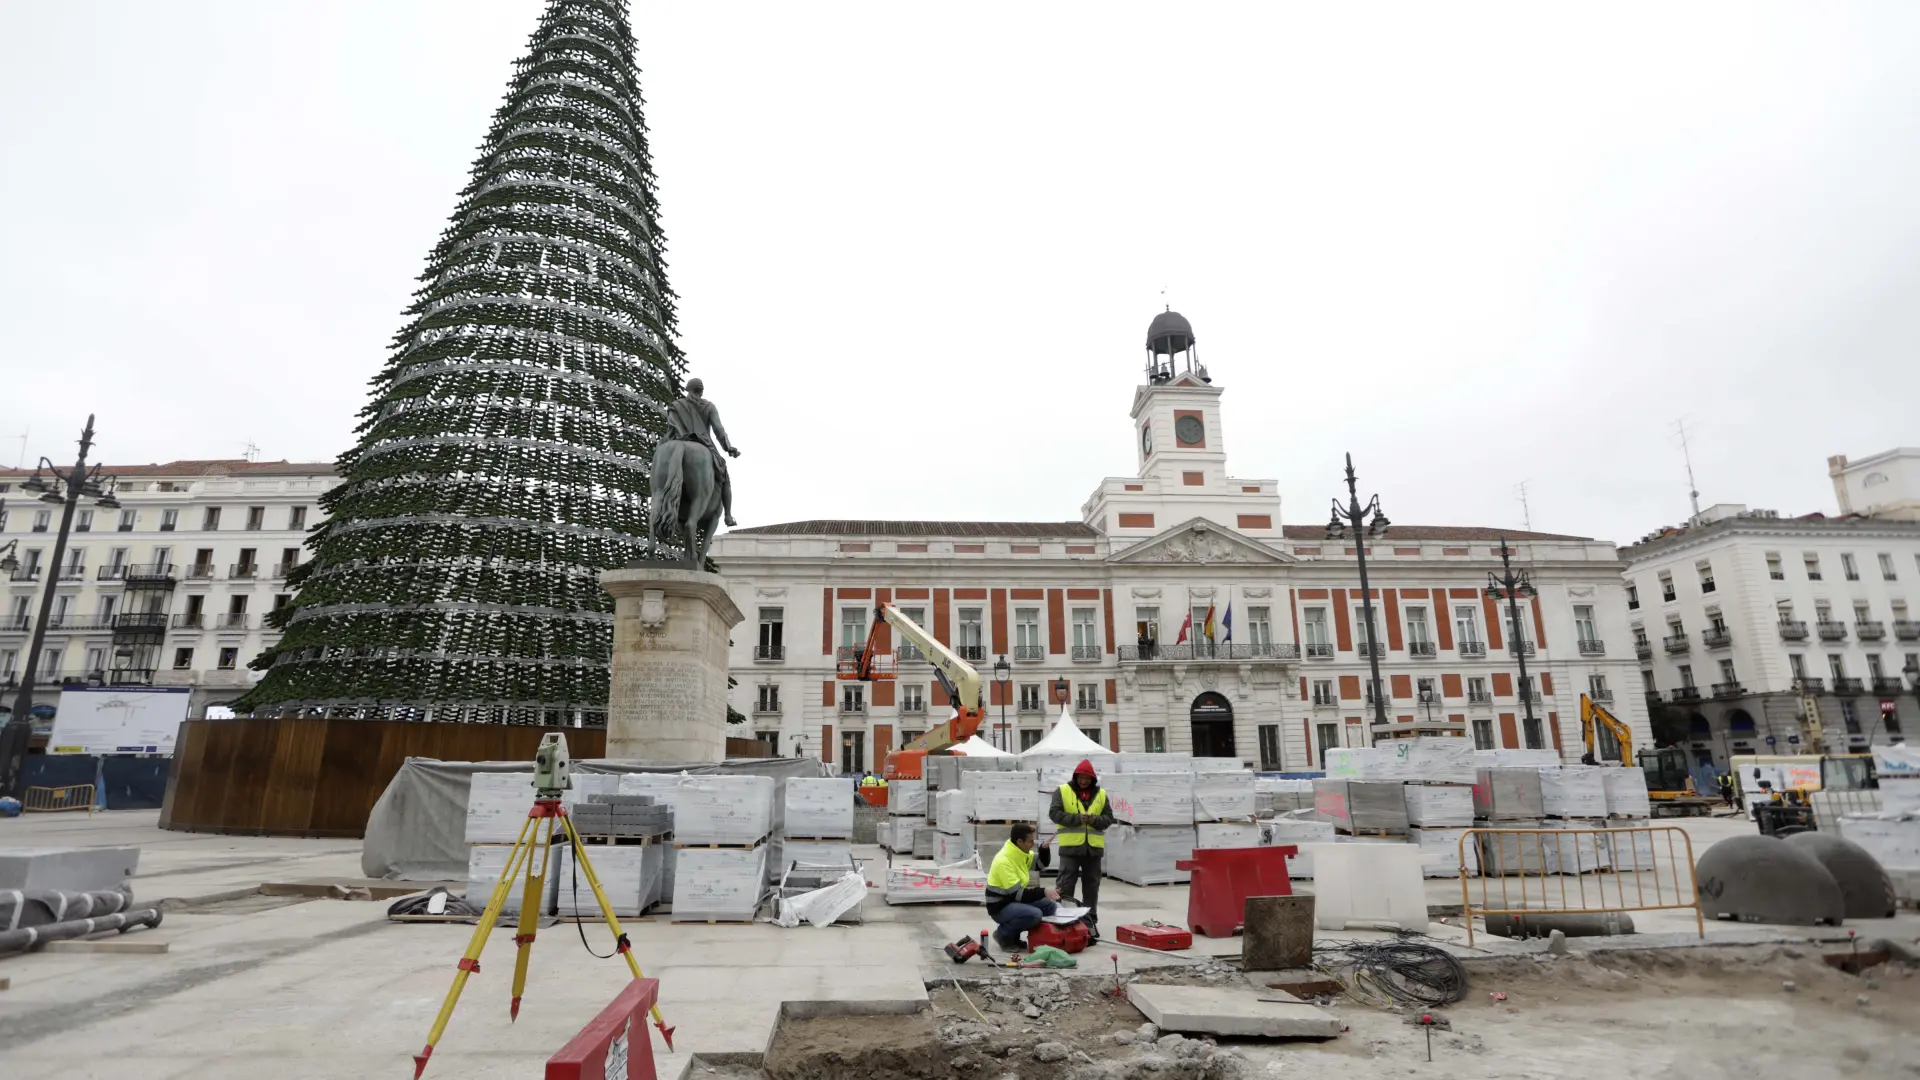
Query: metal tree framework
{"points": [[503, 460]]}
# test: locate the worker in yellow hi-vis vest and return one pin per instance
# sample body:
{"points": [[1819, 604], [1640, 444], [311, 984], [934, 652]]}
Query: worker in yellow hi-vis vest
{"points": [[1079, 808]]}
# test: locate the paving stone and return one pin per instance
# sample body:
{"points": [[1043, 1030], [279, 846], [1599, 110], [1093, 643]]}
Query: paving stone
{"points": [[1216, 1010]]}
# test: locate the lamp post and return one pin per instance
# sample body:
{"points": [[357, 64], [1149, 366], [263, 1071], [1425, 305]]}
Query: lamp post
{"points": [[64, 489], [1426, 702], [1365, 523], [1512, 585], [1002, 675], [1912, 672]]}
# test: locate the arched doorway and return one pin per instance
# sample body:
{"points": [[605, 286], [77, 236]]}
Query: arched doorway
{"points": [[1212, 719]]}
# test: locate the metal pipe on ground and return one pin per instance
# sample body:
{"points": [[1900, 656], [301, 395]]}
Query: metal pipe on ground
{"points": [[13, 941], [1605, 924]]}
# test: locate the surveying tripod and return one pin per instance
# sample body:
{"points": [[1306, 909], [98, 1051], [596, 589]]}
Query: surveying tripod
{"points": [[552, 775]]}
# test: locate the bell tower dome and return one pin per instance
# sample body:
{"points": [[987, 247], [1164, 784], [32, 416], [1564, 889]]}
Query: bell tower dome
{"points": [[1171, 349]]}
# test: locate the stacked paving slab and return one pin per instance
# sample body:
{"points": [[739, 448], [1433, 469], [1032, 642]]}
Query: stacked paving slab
{"points": [[1891, 834], [722, 825]]}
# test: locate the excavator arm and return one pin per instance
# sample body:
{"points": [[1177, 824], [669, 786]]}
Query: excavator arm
{"points": [[956, 676], [1590, 714]]}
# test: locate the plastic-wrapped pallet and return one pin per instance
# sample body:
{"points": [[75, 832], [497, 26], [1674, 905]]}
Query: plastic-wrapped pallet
{"points": [[622, 870], [1504, 795], [1515, 759], [907, 798], [1898, 796], [1222, 796], [1134, 762], [1353, 763], [585, 785], [1226, 834], [485, 864], [1294, 831], [900, 839], [1636, 850], [817, 806], [808, 853], [1626, 792], [930, 885], [497, 806], [722, 884], [1202, 765], [1435, 760], [1001, 796], [1573, 791], [664, 787], [1448, 806], [1896, 762], [950, 811], [951, 848], [1504, 854], [989, 839], [1579, 853], [923, 840], [1151, 798], [1361, 805], [1441, 853], [1147, 854], [736, 809], [1893, 839], [943, 771]]}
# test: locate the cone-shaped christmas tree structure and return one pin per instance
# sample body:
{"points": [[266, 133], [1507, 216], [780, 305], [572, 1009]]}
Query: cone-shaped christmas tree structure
{"points": [[502, 463]]}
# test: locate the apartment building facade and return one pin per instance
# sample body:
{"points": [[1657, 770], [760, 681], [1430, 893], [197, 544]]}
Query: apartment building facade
{"points": [[1111, 613], [1767, 630], [171, 589]]}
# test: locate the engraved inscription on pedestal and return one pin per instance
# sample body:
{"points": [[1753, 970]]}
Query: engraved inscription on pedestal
{"points": [[668, 700]]}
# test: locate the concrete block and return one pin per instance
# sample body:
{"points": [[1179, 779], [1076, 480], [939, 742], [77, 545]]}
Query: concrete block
{"points": [[1232, 1011], [67, 869]]}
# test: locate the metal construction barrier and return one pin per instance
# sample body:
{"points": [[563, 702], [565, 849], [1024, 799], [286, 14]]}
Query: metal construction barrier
{"points": [[1579, 872], [54, 799]]}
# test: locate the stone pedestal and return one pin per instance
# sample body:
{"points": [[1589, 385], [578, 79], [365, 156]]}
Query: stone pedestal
{"points": [[668, 700]]}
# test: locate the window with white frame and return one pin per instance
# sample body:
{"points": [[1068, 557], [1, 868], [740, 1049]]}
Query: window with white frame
{"points": [[1328, 736], [1477, 689], [1086, 634], [1314, 626], [1848, 567], [1030, 697], [1774, 570], [1726, 672], [1584, 627], [969, 630], [1418, 632], [1705, 570], [1368, 629], [1837, 666], [1597, 688], [1686, 676], [1026, 634], [1483, 733], [1087, 697], [853, 698], [1259, 625], [1466, 623], [1154, 739], [1812, 559], [1797, 664], [768, 698], [1886, 568], [853, 627], [1146, 625], [1323, 693], [913, 698]]}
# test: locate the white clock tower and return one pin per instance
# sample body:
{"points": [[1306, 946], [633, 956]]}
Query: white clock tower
{"points": [[1180, 451]]}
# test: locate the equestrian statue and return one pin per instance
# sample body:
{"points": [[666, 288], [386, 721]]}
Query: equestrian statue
{"points": [[691, 487]]}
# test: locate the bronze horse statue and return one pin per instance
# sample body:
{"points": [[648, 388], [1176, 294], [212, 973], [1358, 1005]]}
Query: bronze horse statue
{"points": [[686, 500]]}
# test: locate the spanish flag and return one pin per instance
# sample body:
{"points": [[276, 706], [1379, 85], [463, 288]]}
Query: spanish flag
{"points": [[1209, 624]]}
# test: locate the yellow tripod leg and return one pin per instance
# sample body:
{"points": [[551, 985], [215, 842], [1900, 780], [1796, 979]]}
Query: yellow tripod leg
{"points": [[613, 921], [470, 960], [530, 904]]}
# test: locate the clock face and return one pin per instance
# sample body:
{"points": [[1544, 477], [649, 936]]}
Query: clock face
{"points": [[1146, 439], [1189, 431]]}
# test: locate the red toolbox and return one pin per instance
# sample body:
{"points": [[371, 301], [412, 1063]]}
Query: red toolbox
{"points": [[1164, 938], [1071, 938]]}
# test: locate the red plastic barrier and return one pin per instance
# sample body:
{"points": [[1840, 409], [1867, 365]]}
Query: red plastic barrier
{"points": [[615, 1044], [1223, 878]]}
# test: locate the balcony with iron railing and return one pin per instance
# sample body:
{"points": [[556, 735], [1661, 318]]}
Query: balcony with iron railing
{"points": [[244, 571], [1686, 693], [1643, 649], [72, 572], [1028, 706], [1168, 654], [232, 620], [1319, 650], [973, 654], [1323, 702], [281, 570], [1793, 630], [1807, 684], [1831, 631], [149, 573], [908, 653], [130, 677], [1086, 654], [1676, 643], [26, 573], [151, 622], [769, 654], [1870, 630], [1592, 647], [1520, 648], [75, 624], [1728, 689], [1479, 697], [1086, 705], [201, 572], [1471, 648], [15, 624], [1906, 629], [1717, 637], [111, 573], [853, 707], [1884, 685], [196, 620], [1846, 686], [1369, 648], [1602, 694], [1423, 650], [914, 708], [1029, 654]]}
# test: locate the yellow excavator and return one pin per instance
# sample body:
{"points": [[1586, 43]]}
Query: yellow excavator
{"points": [[1670, 787]]}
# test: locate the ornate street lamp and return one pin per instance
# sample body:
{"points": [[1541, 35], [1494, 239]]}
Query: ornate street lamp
{"points": [[1002, 675], [65, 489], [1426, 701], [1511, 585], [1365, 523]]}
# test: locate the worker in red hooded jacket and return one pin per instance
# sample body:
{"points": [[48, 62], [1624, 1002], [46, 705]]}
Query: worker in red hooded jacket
{"points": [[1079, 808]]}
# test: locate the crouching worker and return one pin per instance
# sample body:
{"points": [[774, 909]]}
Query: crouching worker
{"points": [[1013, 902]]}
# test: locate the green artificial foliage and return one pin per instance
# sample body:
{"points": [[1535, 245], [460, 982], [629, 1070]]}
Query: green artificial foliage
{"points": [[502, 462]]}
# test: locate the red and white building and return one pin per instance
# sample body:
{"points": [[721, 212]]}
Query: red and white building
{"points": [[1108, 612]]}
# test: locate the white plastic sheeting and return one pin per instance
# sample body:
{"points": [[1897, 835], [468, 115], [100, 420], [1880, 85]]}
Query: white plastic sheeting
{"points": [[823, 906], [1626, 792], [724, 810], [1151, 798], [1222, 796], [718, 883], [951, 810], [818, 806], [1573, 791], [1439, 805], [1002, 796]]}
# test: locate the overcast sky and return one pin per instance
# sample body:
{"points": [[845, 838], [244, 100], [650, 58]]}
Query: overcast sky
{"points": [[917, 247]]}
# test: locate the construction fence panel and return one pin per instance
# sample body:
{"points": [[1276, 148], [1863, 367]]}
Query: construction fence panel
{"points": [[55, 799], [1579, 871]]}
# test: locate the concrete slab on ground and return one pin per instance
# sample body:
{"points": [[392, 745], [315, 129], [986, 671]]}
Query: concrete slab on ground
{"points": [[1238, 1011]]}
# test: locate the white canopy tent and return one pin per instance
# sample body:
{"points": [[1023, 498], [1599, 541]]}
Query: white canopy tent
{"points": [[979, 747], [1066, 740]]}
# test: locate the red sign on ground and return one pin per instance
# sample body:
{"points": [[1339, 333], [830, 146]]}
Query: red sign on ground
{"points": [[614, 1045]]}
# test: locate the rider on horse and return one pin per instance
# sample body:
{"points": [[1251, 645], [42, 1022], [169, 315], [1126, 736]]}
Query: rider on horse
{"points": [[689, 418]]}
